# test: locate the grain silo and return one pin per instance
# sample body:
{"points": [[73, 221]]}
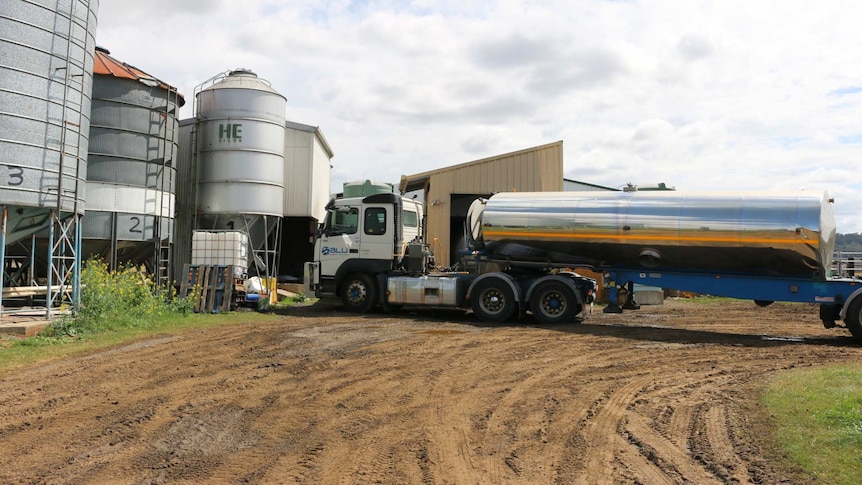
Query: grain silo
{"points": [[239, 139], [131, 167], [46, 61]]}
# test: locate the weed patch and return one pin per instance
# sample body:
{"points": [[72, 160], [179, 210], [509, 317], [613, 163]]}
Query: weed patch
{"points": [[112, 300]]}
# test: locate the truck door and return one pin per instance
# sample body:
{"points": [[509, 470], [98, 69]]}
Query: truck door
{"points": [[378, 233], [339, 240]]}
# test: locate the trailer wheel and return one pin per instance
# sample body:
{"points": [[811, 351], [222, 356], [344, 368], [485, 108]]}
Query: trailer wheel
{"points": [[492, 300], [554, 302], [853, 319], [359, 293]]}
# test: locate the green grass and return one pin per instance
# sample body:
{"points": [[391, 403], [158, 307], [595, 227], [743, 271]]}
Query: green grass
{"points": [[707, 299], [116, 307], [818, 419], [296, 300], [16, 351]]}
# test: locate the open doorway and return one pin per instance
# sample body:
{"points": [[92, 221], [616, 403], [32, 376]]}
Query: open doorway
{"points": [[459, 204]]}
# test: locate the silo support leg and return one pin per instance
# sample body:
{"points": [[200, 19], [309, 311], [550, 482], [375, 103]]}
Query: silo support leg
{"points": [[2, 255]]}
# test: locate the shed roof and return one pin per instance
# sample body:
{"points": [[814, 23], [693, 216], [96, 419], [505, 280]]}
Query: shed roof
{"points": [[417, 181], [587, 184]]}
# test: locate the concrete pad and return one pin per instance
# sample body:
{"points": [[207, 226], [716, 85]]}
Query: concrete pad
{"points": [[649, 297], [24, 328]]}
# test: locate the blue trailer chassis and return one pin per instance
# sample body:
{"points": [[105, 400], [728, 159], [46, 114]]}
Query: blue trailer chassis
{"points": [[839, 299]]}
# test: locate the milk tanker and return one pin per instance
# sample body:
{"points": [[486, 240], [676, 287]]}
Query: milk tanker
{"points": [[781, 234], [522, 247]]}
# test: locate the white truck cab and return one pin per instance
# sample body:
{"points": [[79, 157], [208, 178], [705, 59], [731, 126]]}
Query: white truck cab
{"points": [[362, 236]]}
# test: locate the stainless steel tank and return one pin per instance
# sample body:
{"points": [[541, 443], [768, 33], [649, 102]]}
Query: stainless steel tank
{"points": [[769, 233], [240, 146], [46, 62], [132, 156]]}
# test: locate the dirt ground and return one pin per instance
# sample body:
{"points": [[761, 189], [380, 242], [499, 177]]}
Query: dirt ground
{"points": [[666, 394]]}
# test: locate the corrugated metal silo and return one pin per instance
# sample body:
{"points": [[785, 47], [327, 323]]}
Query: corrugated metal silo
{"points": [[46, 61], [131, 174], [240, 160], [240, 146]]}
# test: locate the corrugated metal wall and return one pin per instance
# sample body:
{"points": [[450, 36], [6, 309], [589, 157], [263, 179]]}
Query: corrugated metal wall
{"points": [[538, 169], [306, 170], [297, 176], [185, 199], [320, 177]]}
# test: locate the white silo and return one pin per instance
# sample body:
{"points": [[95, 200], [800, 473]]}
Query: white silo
{"points": [[240, 161], [46, 62]]}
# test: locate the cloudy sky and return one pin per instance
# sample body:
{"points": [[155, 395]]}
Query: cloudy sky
{"points": [[724, 95]]}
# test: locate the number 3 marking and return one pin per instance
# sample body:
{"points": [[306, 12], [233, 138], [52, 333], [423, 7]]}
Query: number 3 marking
{"points": [[16, 176]]}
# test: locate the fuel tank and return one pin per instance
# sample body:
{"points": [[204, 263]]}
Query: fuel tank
{"points": [[756, 233]]}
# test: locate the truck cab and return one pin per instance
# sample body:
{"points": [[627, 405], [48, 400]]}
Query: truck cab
{"points": [[362, 236]]}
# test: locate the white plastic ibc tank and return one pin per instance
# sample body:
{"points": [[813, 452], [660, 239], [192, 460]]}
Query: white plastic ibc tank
{"points": [[220, 248]]}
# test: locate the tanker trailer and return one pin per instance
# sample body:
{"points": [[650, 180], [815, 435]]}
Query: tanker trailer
{"points": [[776, 234], [763, 246]]}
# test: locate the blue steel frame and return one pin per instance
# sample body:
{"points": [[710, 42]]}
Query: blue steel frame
{"points": [[825, 292]]}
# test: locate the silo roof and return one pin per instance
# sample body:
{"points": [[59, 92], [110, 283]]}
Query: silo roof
{"points": [[243, 78], [106, 65]]}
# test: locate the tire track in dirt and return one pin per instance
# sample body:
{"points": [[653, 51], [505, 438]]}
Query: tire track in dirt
{"points": [[534, 399], [662, 442], [727, 464], [461, 409], [325, 397], [674, 460], [600, 431], [637, 468], [488, 442]]}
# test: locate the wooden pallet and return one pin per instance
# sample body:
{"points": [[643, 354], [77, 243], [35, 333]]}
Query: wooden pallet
{"points": [[210, 285]]}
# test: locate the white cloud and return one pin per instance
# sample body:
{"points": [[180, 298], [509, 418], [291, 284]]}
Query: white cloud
{"points": [[696, 94]]}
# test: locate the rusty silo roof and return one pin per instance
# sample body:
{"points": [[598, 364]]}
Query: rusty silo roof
{"points": [[106, 65]]}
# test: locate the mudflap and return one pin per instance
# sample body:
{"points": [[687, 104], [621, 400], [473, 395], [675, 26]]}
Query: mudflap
{"points": [[829, 314]]}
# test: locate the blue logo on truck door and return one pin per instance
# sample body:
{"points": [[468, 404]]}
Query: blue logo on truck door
{"points": [[326, 250]]}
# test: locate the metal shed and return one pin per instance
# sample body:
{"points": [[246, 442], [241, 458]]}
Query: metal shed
{"points": [[448, 192], [307, 157]]}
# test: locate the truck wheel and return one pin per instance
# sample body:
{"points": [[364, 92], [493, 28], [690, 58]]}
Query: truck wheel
{"points": [[492, 300], [553, 302], [359, 293], [853, 319]]}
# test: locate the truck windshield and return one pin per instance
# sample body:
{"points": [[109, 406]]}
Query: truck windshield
{"points": [[343, 221]]}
